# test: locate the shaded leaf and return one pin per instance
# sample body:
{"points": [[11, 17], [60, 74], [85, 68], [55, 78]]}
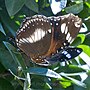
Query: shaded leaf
{"points": [[71, 69], [9, 24], [32, 5], [79, 88], [77, 82], [16, 56], [2, 30], [88, 1], [76, 42], [76, 8], [7, 60], [5, 85], [87, 81], [13, 6]]}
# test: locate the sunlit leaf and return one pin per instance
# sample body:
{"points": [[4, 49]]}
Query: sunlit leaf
{"points": [[85, 48], [66, 84], [82, 36], [88, 4]]}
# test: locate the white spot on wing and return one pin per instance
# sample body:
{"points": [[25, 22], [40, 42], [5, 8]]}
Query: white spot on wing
{"points": [[56, 23], [64, 52], [16, 40], [77, 25], [63, 27], [36, 36], [54, 19], [31, 20], [69, 39], [23, 40], [49, 30], [68, 35], [42, 24], [66, 30], [68, 56], [51, 24], [27, 22], [39, 19], [78, 51], [25, 25], [21, 29], [47, 21]]}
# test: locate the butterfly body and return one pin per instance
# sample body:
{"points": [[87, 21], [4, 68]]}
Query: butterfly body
{"points": [[39, 37]]}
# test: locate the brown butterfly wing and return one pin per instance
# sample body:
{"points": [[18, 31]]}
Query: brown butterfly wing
{"points": [[34, 37], [39, 37], [64, 29]]}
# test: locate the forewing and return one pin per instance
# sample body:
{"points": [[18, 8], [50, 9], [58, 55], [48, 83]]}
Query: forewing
{"points": [[34, 36]]}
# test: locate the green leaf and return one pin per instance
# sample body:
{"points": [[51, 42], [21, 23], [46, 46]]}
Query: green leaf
{"points": [[43, 72], [88, 4], [87, 81], [0, 8], [32, 5], [85, 48], [13, 6], [66, 84], [36, 0], [2, 30], [76, 42], [71, 69], [5, 85], [82, 36], [16, 56], [77, 82], [76, 8], [2, 68], [78, 88], [9, 24], [7, 60], [88, 1]]}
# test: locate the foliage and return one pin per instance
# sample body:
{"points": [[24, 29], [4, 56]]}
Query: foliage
{"points": [[18, 72]]}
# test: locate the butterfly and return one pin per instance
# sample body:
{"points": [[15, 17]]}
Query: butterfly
{"points": [[46, 39]]}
